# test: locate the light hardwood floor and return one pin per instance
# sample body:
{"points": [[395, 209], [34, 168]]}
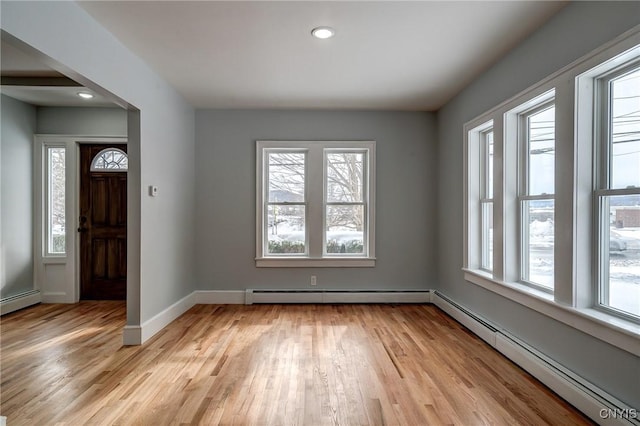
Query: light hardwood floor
{"points": [[264, 365]]}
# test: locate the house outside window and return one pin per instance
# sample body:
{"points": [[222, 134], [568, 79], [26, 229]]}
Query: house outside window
{"points": [[536, 195], [617, 193], [565, 195]]}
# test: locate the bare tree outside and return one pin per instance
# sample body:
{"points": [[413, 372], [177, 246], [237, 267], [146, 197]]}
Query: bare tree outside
{"points": [[345, 214], [286, 208], [56, 213], [345, 202]]}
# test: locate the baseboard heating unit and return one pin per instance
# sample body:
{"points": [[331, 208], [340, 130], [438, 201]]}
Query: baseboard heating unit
{"points": [[336, 296], [593, 401], [20, 301]]}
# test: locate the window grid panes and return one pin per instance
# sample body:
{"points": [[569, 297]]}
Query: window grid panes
{"points": [[286, 207], [56, 220], [537, 197], [315, 204], [618, 196], [110, 160], [345, 207]]}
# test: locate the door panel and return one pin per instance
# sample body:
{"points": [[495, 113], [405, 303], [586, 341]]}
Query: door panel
{"points": [[103, 227]]}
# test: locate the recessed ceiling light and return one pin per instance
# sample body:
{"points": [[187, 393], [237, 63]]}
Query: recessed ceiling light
{"points": [[323, 32], [85, 95]]}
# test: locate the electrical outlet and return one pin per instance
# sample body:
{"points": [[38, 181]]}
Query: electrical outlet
{"points": [[313, 280]]}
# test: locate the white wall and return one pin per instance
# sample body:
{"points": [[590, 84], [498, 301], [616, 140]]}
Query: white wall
{"points": [[572, 33], [226, 196], [161, 144], [16, 203]]}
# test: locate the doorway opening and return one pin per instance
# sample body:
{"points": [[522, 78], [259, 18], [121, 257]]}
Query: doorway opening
{"points": [[102, 223]]}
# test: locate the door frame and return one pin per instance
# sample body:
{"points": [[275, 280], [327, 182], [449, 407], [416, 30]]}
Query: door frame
{"points": [[58, 277]]}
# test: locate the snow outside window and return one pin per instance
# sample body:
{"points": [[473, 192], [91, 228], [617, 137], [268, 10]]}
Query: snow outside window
{"points": [[618, 190], [536, 195], [55, 243], [486, 199], [315, 203]]}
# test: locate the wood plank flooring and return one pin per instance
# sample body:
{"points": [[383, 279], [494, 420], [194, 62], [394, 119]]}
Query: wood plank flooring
{"points": [[264, 365]]}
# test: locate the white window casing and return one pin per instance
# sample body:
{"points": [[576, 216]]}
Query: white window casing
{"points": [[578, 195], [310, 238]]}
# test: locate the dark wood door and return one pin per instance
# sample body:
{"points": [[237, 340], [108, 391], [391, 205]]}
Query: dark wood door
{"points": [[103, 228]]}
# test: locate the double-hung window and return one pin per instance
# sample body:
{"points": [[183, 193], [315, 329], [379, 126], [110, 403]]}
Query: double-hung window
{"points": [[315, 203], [479, 141], [345, 207], [285, 202], [617, 193], [486, 198], [535, 195], [556, 223]]}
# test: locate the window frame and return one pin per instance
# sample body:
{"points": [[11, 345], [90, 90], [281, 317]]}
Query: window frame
{"points": [[573, 301], [476, 184], [363, 203], [603, 185], [47, 226], [524, 113], [315, 213], [267, 203], [486, 199]]}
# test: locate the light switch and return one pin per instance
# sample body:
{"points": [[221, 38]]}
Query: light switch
{"points": [[153, 190]]}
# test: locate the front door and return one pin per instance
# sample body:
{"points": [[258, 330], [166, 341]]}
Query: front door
{"points": [[103, 222]]}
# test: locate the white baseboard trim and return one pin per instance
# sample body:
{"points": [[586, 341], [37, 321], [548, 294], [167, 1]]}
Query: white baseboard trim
{"points": [[591, 400], [12, 304], [137, 335]]}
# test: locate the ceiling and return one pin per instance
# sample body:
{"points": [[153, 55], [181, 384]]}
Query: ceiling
{"points": [[386, 55], [392, 55], [26, 78]]}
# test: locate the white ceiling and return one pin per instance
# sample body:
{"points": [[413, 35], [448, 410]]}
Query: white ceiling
{"points": [[58, 96], [16, 63], [385, 55]]}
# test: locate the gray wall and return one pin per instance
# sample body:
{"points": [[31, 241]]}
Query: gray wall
{"points": [[226, 194], [20, 121], [82, 121], [16, 199], [575, 31], [161, 147]]}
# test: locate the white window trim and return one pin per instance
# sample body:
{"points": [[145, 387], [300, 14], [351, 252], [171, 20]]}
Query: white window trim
{"points": [[316, 201], [598, 80], [474, 180], [573, 300], [46, 201], [521, 114]]}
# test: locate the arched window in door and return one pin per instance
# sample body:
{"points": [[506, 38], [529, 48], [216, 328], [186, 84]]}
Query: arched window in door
{"points": [[110, 160]]}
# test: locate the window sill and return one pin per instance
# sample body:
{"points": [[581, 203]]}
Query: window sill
{"points": [[305, 262], [608, 328]]}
